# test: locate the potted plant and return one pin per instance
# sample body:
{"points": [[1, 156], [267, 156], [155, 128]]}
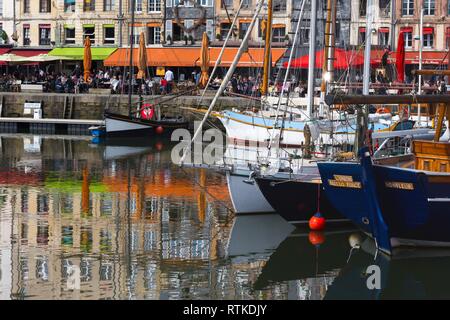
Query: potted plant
{"points": [[191, 39], [218, 37], [185, 40]]}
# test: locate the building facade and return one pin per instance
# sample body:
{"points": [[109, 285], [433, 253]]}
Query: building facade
{"points": [[342, 28], [47, 23], [281, 25], [7, 21], [186, 20], [436, 23], [383, 28]]}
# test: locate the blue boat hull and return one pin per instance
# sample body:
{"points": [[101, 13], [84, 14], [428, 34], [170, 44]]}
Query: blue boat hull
{"points": [[413, 206]]}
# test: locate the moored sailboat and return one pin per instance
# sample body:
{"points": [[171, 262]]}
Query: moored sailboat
{"points": [[403, 202]]}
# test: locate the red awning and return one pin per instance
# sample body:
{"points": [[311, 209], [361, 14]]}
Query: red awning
{"points": [[412, 57], [428, 57], [428, 30], [24, 53], [383, 30], [406, 29], [3, 51], [28, 52], [343, 60], [189, 57], [362, 29]]}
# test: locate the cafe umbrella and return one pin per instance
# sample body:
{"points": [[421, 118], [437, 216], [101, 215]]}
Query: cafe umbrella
{"points": [[87, 59], [204, 61]]}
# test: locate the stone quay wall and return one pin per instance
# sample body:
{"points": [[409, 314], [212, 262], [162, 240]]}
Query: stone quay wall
{"points": [[91, 106]]}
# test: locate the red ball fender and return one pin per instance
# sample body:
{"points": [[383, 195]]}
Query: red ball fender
{"points": [[317, 222]]}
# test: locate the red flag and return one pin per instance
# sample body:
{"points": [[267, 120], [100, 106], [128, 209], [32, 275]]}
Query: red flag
{"points": [[400, 57]]}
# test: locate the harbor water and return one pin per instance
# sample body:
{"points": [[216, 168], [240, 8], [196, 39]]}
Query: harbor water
{"points": [[83, 219]]}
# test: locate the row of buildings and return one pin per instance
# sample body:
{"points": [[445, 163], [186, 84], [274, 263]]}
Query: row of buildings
{"points": [[47, 24]]}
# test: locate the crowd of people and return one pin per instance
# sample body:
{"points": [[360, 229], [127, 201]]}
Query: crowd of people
{"points": [[117, 81]]}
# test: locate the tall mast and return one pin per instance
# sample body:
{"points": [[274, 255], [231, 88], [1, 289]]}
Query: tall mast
{"points": [[328, 50], [420, 63], [366, 70], [265, 84], [363, 115], [312, 58], [130, 79]]}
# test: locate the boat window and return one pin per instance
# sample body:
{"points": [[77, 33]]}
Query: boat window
{"points": [[404, 125]]}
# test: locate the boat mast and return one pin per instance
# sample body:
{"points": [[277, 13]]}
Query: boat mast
{"points": [[265, 83], [328, 53], [312, 58], [130, 79], [420, 64], [363, 115], [222, 50], [291, 55], [226, 79]]}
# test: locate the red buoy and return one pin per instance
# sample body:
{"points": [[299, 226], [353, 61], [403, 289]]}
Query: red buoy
{"points": [[317, 222], [159, 130], [147, 112], [316, 238]]}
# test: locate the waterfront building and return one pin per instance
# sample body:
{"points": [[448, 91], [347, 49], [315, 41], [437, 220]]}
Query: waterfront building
{"points": [[383, 28], [436, 30], [6, 21], [342, 28], [66, 23], [227, 9], [185, 21]]}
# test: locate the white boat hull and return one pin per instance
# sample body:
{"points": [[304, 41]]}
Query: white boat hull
{"points": [[246, 197], [241, 132], [117, 126]]}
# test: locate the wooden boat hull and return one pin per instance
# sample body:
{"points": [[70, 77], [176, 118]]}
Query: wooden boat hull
{"points": [[413, 205]]}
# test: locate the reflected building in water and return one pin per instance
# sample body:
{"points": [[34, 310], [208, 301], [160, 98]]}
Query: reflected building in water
{"points": [[74, 226]]}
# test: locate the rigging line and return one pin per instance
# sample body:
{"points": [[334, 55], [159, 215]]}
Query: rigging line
{"points": [[222, 50], [228, 75], [286, 77]]}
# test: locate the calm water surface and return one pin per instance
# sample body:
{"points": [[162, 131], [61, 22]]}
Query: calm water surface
{"points": [[80, 220]]}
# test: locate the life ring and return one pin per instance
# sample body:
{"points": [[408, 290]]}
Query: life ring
{"points": [[383, 110], [147, 111]]}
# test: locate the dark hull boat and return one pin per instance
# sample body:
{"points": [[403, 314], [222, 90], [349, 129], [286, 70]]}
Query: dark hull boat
{"points": [[396, 206], [117, 124], [298, 199]]}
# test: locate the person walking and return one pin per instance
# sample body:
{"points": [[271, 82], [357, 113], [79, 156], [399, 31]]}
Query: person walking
{"points": [[169, 77]]}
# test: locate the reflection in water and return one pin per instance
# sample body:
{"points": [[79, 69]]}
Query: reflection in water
{"points": [[114, 221], [83, 221]]}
